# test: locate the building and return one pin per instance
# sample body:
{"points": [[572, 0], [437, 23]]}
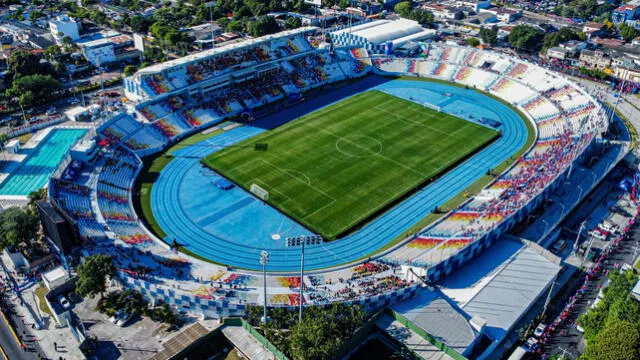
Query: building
{"points": [[628, 11], [64, 26], [591, 27], [39, 42], [109, 50], [594, 59], [635, 292], [377, 35], [203, 33], [558, 52], [628, 72], [574, 46], [444, 11], [58, 230], [476, 5], [503, 14]]}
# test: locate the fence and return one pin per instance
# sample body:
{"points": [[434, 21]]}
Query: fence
{"points": [[262, 340], [35, 127], [422, 333]]}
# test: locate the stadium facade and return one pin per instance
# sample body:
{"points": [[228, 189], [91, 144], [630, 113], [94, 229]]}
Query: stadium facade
{"points": [[186, 96]]}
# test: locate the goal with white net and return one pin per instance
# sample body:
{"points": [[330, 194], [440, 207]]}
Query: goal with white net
{"points": [[432, 106], [259, 192]]}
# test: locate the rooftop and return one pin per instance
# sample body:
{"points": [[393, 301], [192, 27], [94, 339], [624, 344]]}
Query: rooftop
{"points": [[381, 31], [500, 285], [431, 312], [222, 49]]}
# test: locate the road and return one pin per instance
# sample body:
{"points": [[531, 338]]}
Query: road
{"points": [[8, 341], [567, 338]]}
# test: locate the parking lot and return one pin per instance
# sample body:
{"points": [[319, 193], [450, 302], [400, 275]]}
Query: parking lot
{"points": [[140, 338]]}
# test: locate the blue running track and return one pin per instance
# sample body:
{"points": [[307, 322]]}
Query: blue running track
{"points": [[231, 227]]}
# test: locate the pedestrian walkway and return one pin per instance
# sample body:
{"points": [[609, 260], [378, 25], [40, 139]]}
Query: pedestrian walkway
{"points": [[410, 339], [246, 343]]}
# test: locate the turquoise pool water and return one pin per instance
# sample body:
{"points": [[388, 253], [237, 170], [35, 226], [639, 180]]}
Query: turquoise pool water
{"points": [[32, 174]]}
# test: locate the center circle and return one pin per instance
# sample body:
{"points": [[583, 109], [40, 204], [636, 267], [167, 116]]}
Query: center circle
{"points": [[358, 146]]}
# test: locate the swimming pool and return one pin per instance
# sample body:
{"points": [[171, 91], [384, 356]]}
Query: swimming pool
{"points": [[32, 173]]}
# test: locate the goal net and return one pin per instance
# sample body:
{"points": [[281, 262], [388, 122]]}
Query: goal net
{"points": [[259, 192], [432, 107]]}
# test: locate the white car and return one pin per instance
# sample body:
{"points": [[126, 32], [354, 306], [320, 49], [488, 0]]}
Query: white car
{"points": [[64, 302], [598, 235], [606, 227], [539, 330], [114, 319], [124, 319]]}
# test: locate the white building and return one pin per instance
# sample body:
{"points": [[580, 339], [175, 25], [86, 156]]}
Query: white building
{"points": [[64, 26], [476, 5]]}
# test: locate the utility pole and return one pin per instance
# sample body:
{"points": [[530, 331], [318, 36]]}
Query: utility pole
{"points": [[586, 253], [575, 245]]}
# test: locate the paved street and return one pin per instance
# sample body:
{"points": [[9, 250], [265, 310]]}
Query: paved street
{"points": [[7, 339], [567, 337]]}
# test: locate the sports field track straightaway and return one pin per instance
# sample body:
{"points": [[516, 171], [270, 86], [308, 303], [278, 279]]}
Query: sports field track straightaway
{"points": [[240, 247], [336, 167]]}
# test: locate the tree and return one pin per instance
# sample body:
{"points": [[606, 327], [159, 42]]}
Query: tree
{"points": [[317, 338], [524, 38], [263, 25], [558, 37], [473, 42], [489, 36], [403, 8], [93, 273], [22, 63], [34, 197], [139, 24], [628, 32], [618, 340], [42, 87], [35, 15], [293, 22], [16, 226], [130, 70]]}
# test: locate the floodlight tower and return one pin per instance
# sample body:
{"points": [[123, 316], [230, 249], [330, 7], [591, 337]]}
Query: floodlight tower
{"points": [[264, 260], [302, 241]]}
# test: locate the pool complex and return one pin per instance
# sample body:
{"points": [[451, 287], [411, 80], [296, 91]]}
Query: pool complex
{"points": [[232, 227], [33, 172]]}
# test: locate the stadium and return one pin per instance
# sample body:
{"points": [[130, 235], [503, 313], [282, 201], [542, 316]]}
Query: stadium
{"points": [[387, 173]]}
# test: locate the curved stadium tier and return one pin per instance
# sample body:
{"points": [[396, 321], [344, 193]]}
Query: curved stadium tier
{"points": [[368, 151]]}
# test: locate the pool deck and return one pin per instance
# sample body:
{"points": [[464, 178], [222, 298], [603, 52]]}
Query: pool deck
{"points": [[15, 160]]}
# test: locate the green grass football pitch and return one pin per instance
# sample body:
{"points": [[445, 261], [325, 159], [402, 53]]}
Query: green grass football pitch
{"points": [[342, 165]]}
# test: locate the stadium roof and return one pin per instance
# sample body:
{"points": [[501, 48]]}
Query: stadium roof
{"points": [[442, 320], [501, 293], [380, 31], [218, 50]]}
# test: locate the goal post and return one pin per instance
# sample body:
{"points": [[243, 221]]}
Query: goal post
{"points": [[432, 106], [258, 191]]}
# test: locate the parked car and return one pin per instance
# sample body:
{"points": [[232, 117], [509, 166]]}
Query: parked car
{"points": [[124, 319], [539, 330], [114, 319], [559, 246], [598, 234], [607, 227], [64, 302]]}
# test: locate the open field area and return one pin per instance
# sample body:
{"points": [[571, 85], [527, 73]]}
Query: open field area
{"points": [[337, 167]]}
